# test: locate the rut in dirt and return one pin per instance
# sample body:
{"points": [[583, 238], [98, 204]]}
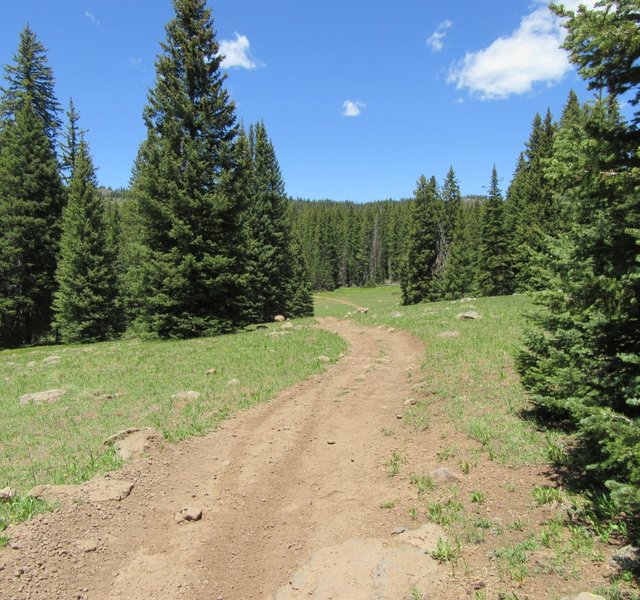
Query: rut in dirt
{"points": [[290, 494]]}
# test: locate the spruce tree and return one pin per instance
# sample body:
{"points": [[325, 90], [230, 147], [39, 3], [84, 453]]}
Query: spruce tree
{"points": [[452, 199], [30, 79], [422, 244], [190, 280], [70, 143], [530, 213], [269, 257], [582, 358], [31, 199], [460, 275], [495, 274], [87, 303]]}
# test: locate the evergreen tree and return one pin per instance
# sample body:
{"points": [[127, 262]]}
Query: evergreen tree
{"points": [[87, 306], [495, 275], [460, 275], [70, 143], [300, 298], [582, 358], [190, 277], [270, 260], [31, 199], [452, 199], [530, 213], [30, 79], [422, 244]]}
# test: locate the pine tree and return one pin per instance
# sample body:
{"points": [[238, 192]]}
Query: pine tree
{"points": [[269, 232], [190, 280], [530, 213], [452, 199], [460, 275], [582, 358], [87, 306], [422, 244], [30, 79], [31, 199], [495, 275], [70, 143], [300, 298]]}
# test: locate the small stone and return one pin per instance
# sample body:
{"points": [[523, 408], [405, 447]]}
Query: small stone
{"points": [[46, 397], [7, 494], [444, 475], [391, 330], [189, 514], [410, 402], [399, 416], [51, 360], [212, 371], [583, 596], [625, 558], [331, 442], [287, 325], [87, 545], [188, 396], [279, 319], [469, 315], [362, 310], [398, 530]]}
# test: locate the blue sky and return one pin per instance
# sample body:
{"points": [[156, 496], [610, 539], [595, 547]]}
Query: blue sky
{"points": [[360, 97]]}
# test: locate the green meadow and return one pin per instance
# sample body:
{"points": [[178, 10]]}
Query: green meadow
{"points": [[131, 383]]}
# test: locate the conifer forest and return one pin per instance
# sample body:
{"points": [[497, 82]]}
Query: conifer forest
{"points": [[206, 241]]}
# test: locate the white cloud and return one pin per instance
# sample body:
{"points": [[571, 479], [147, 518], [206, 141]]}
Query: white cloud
{"points": [[436, 39], [515, 63], [236, 53], [352, 108], [92, 17]]}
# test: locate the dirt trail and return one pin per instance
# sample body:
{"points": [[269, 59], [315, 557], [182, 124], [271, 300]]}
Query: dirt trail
{"points": [[290, 493]]}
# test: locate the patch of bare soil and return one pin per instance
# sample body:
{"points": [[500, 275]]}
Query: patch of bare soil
{"points": [[292, 499]]}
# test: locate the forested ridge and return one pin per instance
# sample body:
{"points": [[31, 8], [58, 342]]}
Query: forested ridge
{"points": [[206, 241]]}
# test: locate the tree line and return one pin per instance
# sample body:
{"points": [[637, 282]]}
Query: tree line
{"points": [[201, 243]]}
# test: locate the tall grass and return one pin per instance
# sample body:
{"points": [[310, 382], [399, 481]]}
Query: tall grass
{"points": [[131, 383]]}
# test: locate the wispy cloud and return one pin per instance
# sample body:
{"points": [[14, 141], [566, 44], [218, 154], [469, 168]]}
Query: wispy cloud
{"points": [[514, 64], [237, 53], [352, 108], [436, 39], [92, 18], [136, 63]]}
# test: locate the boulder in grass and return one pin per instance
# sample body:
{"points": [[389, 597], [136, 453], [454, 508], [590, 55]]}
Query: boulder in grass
{"points": [[46, 397], [7, 494], [279, 319], [133, 442], [189, 396], [470, 315]]}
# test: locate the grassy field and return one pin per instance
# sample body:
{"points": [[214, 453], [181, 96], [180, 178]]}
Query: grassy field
{"points": [[468, 363], [130, 383]]}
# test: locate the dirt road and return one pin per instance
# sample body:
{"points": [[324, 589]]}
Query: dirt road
{"points": [[290, 494]]}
